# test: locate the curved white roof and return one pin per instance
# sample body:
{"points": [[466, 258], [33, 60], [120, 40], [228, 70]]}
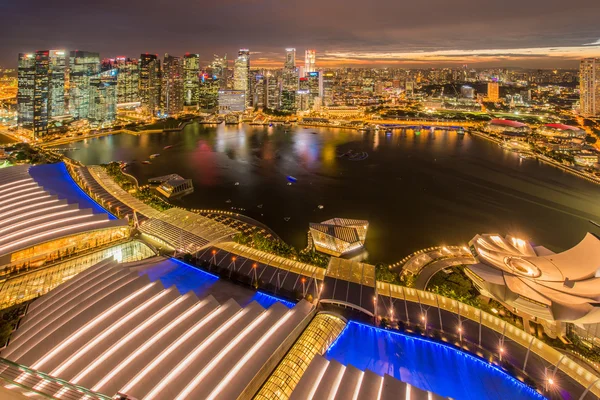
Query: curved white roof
{"points": [[567, 284], [42, 203], [126, 334]]}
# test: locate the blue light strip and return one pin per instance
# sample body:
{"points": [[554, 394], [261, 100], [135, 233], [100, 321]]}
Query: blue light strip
{"points": [[287, 303], [195, 268], [464, 354]]}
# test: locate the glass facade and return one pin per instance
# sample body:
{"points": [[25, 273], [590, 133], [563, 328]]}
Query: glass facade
{"points": [[172, 86], [322, 331], [150, 82], [52, 251], [84, 65], [191, 79], [40, 281]]}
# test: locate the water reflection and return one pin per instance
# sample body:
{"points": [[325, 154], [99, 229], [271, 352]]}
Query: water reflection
{"points": [[416, 189]]}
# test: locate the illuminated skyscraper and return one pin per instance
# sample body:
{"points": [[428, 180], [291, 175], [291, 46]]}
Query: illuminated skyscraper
{"points": [[218, 70], [315, 87], [208, 92], [128, 78], [191, 79], [172, 86], [328, 82], [260, 91], [56, 90], [273, 91], [33, 91], [84, 65], [241, 73], [149, 92], [103, 98], [309, 61], [589, 87], [493, 91], [289, 81]]}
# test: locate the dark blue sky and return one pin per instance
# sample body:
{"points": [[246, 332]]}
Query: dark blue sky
{"points": [[344, 32]]}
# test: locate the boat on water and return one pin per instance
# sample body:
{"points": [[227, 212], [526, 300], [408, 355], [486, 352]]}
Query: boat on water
{"points": [[154, 155], [321, 206], [237, 184], [315, 133], [461, 131], [146, 162], [167, 147], [260, 206], [291, 179], [286, 219]]}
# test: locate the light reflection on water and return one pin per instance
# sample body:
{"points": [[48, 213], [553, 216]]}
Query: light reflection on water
{"points": [[416, 191]]}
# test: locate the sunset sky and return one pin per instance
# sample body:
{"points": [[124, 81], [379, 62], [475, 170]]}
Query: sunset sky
{"points": [[530, 33]]}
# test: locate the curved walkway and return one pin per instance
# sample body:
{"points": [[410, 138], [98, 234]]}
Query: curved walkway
{"points": [[433, 268]]}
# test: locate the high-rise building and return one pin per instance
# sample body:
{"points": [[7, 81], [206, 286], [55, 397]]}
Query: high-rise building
{"points": [[328, 82], [209, 92], [309, 61], [33, 92], [218, 70], [260, 91], [56, 90], [289, 81], [493, 91], [467, 92], [589, 87], [302, 95], [241, 73], [172, 86], [128, 78], [315, 87], [191, 79], [273, 91], [149, 91], [83, 66], [103, 98], [26, 90]]}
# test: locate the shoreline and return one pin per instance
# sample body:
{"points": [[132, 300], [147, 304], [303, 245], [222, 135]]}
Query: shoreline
{"points": [[544, 159]]}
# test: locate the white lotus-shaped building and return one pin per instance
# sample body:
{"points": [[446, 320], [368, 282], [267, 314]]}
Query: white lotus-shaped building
{"points": [[556, 287]]}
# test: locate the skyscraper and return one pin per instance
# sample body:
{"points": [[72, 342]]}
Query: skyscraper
{"points": [[328, 82], [289, 81], [84, 65], [241, 73], [128, 80], [103, 98], [589, 87], [149, 92], [309, 61], [191, 79], [218, 69], [260, 91], [172, 86], [493, 91], [33, 92], [273, 91], [56, 90], [315, 87], [209, 92]]}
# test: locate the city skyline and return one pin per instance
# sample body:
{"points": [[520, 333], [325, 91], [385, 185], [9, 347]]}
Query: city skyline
{"points": [[511, 34]]}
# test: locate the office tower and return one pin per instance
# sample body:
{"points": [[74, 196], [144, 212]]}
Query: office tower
{"points": [[209, 92], [302, 95], [273, 91], [328, 82], [315, 87], [103, 98], [149, 91], [260, 91], [172, 86], [191, 79], [241, 73], [33, 92], [289, 81], [128, 80], [493, 91], [56, 90], [589, 87], [218, 70], [84, 65], [309, 61]]}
